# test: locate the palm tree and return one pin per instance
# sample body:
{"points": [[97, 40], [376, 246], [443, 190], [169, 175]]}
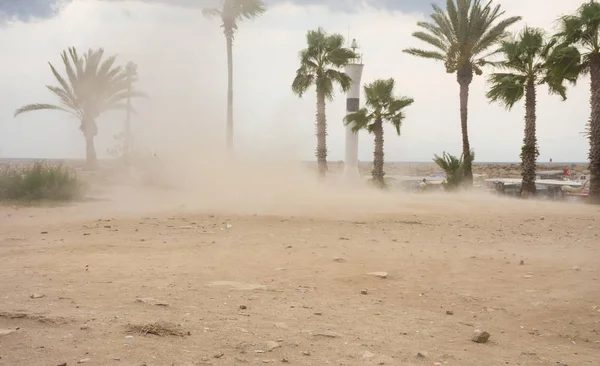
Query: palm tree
{"points": [[92, 87], [460, 36], [231, 12], [381, 106], [320, 64], [453, 167], [582, 30], [530, 61]]}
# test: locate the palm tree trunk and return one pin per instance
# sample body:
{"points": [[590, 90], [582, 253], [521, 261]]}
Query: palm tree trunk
{"points": [[229, 94], [465, 76], [89, 129], [127, 137], [321, 134], [378, 172], [91, 160], [529, 151], [594, 196]]}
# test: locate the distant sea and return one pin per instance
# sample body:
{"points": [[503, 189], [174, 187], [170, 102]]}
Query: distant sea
{"points": [[33, 160]]}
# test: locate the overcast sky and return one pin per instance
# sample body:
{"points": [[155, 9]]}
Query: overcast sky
{"points": [[182, 64]]}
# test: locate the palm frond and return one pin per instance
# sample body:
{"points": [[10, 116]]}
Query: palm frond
{"points": [[361, 119], [425, 54], [39, 107], [506, 89]]}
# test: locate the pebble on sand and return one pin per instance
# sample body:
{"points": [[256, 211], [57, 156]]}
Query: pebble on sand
{"points": [[480, 336], [271, 345], [378, 274]]}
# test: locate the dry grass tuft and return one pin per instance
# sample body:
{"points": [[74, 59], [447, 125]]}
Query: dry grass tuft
{"points": [[160, 329]]}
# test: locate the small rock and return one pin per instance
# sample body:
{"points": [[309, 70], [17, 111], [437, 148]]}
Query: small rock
{"points": [[480, 336], [542, 218], [219, 355], [128, 337], [62, 364], [44, 232], [271, 345], [243, 307], [285, 360], [305, 353], [37, 296], [186, 227], [84, 327], [378, 274], [421, 355], [84, 360], [364, 292], [367, 355], [576, 268], [318, 313], [339, 260], [522, 262], [449, 312]]}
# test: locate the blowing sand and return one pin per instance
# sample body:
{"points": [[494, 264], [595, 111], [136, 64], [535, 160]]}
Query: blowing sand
{"points": [[255, 270]]}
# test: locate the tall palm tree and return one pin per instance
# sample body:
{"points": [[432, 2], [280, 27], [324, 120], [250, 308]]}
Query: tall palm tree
{"points": [[320, 65], [381, 106], [92, 87], [231, 12], [461, 35], [530, 61], [582, 30]]}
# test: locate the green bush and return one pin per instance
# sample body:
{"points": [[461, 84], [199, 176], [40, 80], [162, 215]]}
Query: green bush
{"points": [[39, 181], [453, 167]]}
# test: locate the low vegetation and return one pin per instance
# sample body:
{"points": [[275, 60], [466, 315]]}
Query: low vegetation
{"points": [[39, 181], [454, 167]]}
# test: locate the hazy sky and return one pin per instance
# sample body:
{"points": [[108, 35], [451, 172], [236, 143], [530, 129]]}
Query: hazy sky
{"points": [[181, 58]]}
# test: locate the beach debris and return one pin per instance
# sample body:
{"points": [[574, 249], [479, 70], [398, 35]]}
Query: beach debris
{"points": [[243, 307], [238, 285], [285, 360], [219, 355], [421, 355], [327, 334], [4, 332], [367, 355], [151, 301], [37, 296], [271, 345], [318, 313], [339, 260], [84, 360], [364, 291], [378, 274], [480, 336], [449, 312], [128, 337], [305, 353]]}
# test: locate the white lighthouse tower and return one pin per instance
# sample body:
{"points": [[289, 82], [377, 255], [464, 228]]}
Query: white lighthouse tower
{"points": [[354, 70]]}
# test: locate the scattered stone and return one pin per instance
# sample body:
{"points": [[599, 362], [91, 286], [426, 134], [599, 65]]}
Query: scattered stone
{"points": [[271, 345], [378, 274], [437, 364], [339, 260], [449, 312], [4, 332], [576, 268], [151, 301], [84, 327], [219, 355], [368, 355], [364, 292], [542, 218], [421, 355], [37, 296], [285, 360], [128, 337], [44, 232], [84, 360], [318, 313], [62, 364], [522, 262], [480, 336], [305, 353], [344, 238], [186, 227], [243, 307]]}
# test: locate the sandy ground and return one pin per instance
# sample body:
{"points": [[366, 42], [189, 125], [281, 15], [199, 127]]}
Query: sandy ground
{"points": [[236, 284]]}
